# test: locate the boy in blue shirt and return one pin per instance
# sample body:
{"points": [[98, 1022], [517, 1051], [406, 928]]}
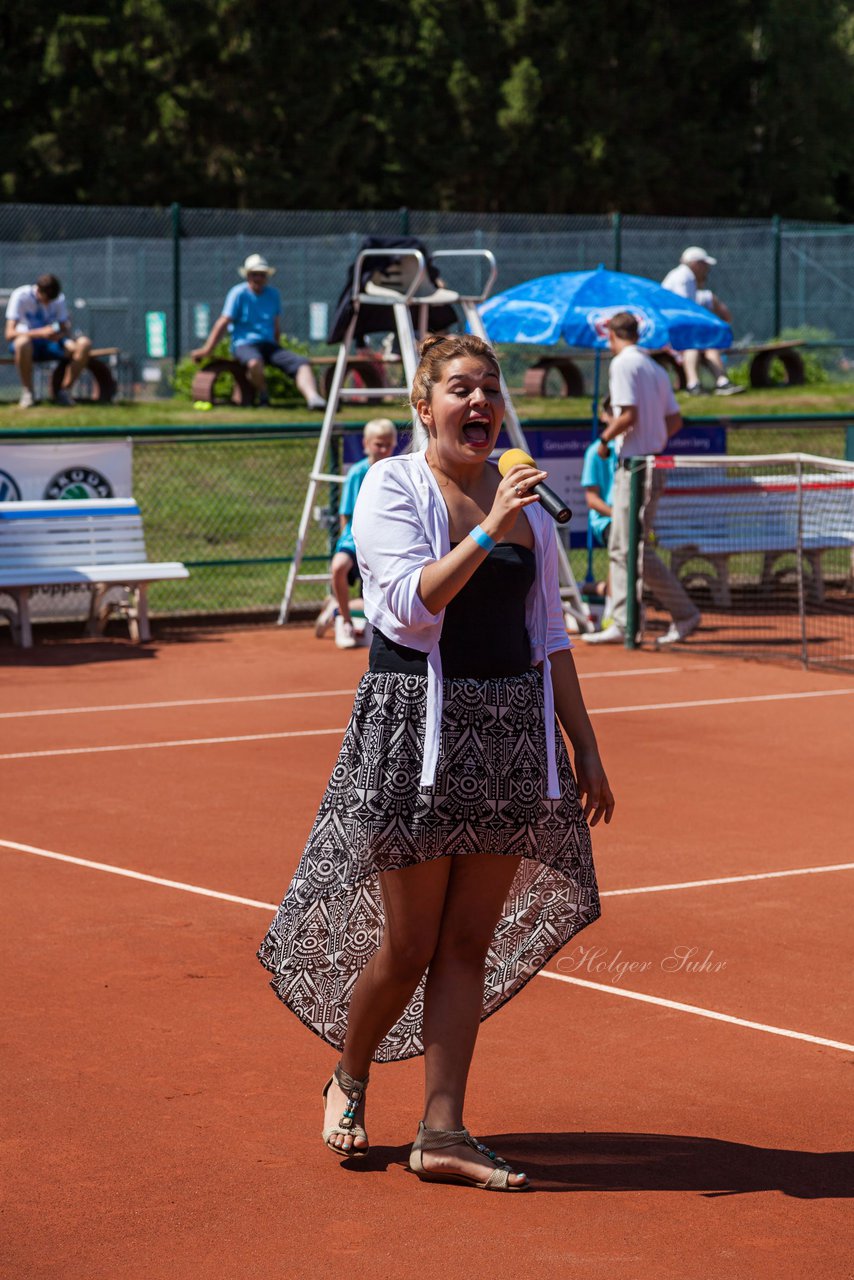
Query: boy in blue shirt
{"points": [[378, 440], [597, 481], [251, 314]]}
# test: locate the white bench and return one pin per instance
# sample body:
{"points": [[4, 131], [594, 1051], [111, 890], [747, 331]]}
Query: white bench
{"points": [[709, 516], [92, 543]]}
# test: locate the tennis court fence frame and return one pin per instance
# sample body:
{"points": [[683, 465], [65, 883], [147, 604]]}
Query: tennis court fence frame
{"points": [[764, 545]]}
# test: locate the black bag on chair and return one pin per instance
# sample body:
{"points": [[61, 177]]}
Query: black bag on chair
{"points": [[386, 273]]}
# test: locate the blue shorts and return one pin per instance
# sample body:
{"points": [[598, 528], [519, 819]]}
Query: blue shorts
{"points": [[45, 349], [270, 353]]}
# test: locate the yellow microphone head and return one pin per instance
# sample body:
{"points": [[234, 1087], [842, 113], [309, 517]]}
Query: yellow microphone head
{"points": [[514, 458]]}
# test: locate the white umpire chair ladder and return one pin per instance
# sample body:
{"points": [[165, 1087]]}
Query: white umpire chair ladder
{"points": [[398, 287]]}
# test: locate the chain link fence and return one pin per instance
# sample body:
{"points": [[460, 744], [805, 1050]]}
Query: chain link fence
{"points": [[118, 264], [227, 502]]}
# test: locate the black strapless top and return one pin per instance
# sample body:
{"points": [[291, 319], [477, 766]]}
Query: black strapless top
{"points": [[484, 633]]}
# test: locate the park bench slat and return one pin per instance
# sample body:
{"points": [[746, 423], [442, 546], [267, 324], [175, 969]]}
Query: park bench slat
{"points": [[151, 571]]}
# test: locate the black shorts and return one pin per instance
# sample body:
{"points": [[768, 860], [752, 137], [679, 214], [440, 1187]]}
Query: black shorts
{"points": [[270, 353], [353, 575]]}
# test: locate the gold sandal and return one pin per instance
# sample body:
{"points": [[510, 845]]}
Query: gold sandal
{"points": [[355, 1090], [435, 1139]]}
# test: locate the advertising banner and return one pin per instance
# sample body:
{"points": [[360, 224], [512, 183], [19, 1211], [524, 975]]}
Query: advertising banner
{"points": [[561, 453], [55, 471]]}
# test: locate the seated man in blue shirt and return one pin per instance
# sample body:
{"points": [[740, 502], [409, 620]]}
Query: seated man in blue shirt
{"points": [[251, 313]]}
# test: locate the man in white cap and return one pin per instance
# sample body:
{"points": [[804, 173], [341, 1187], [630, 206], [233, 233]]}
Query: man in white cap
{"points": [[688, 280], [251, 313]]}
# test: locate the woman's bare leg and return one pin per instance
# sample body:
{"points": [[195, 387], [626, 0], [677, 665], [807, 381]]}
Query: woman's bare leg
{"points": [[453, 1005], [413, 899]]}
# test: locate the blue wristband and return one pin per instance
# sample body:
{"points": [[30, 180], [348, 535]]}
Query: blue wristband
{"points": [[482, 538]]}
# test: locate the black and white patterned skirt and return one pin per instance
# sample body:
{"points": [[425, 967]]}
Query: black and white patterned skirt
{"points": [[489, 796]]}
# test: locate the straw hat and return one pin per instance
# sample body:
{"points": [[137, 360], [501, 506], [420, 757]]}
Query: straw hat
{"points": [[256, 262]]}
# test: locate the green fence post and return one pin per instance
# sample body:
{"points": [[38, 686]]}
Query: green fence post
{"points": [[176, 282], [617, 228], [632, 601], [777, 233], [849, 444], [403, 213]]}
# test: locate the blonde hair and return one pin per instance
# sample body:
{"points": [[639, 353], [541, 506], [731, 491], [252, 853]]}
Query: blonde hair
{"points": [[439, 350], [380, 427]]}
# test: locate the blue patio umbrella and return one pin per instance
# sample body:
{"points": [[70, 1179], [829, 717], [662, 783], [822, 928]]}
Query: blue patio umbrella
{"points": [[576, 305]]}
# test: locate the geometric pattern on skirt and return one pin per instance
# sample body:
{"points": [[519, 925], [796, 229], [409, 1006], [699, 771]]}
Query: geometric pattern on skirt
{"points": [[489, 796]]}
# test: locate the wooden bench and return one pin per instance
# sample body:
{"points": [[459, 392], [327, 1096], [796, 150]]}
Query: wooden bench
{"points": [[366, 368], [759, 370], [714, 516], [93, 543], [536, 380], [537, 375], [104, 384]]}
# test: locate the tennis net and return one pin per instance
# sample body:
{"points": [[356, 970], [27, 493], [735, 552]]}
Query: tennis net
{"points": [[764, 546]]}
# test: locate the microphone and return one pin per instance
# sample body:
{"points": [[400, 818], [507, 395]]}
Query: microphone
{"points": [[549, 500]]}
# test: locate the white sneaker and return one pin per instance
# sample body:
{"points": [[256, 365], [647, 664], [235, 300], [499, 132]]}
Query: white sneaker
{"points": [[345, 635], [729, 389], [678, 631], [27, 400], [323, 619], [613, 634]]}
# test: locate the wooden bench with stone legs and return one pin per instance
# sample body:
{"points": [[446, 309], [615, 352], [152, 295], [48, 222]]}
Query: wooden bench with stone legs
{"points": [[365, 368], [104, 384]]}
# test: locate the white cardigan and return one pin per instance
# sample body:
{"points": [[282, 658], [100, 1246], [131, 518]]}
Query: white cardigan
{"points": [[400, 524]]}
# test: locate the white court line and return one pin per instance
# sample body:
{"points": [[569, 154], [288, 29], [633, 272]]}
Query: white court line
{"points": [[643, 671], [285, 697], [313, 733], [176, 702], [695, 1009], [175, 742], [543, 973], [136, 875], [701, 884], [717, 702]]}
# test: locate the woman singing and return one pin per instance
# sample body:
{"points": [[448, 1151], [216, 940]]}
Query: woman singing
{"points": [[450, 858]]}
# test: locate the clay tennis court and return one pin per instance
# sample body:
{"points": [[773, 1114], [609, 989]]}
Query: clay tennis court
{"points": [[163, 1109]]}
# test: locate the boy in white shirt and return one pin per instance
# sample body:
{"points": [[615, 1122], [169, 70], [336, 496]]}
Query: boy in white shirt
{"points": [[38, 328]]}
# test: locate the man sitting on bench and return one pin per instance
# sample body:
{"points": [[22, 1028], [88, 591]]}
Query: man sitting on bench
{"points": [[251, 313], [38, 328]]}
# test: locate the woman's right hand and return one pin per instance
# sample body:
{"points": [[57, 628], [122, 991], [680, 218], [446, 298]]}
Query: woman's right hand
{"points": [[512, 496]]}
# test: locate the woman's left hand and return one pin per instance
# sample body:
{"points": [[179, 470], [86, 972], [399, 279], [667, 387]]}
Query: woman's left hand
{"points": [[594, 791]]}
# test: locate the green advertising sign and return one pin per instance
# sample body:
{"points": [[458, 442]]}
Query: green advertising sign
{"points": [[201, 320], [155, 334]]}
